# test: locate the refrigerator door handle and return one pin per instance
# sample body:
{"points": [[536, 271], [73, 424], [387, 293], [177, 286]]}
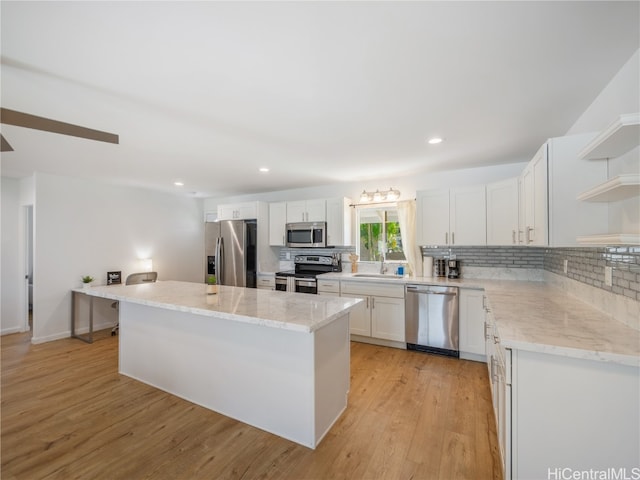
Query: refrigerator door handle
{"points": [[219, 260]]}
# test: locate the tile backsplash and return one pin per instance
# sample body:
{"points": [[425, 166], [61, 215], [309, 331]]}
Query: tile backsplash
{"points": [[587, 265], [584, 264], [494, 257]]}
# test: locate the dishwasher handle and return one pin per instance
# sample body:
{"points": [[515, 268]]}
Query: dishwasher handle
{"points": [[427, 290]]}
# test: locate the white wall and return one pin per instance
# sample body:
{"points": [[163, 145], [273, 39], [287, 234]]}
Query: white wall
{"points": [[407, 185], [88, 228], [11, 294], [621, 95]]}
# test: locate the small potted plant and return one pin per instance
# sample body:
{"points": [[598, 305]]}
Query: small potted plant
{"points": [[86, 281], [212, 285]]}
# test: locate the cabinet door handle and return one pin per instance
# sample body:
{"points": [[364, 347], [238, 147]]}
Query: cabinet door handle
{"points": [[367, 302], [513, 236], [527, 237], [519, 236], [493, 364], [453, 238], [446, 238], [373, 303], [486, 335]]}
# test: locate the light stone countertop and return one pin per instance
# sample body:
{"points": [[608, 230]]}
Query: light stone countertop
{"points": [[290, 311], [538, 317]]}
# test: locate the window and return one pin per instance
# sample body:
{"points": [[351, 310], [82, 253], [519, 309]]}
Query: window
{"points": [[378, 232]]}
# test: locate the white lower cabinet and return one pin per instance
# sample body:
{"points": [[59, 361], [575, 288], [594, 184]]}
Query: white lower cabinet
{"points": [[499, 365], [557, 415], [360, 316], [472, 319], [387, 318], [266, 281], [381, 314], [328, 287]]}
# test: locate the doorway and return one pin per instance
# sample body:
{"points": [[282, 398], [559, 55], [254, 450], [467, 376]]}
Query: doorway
{"points": [[28, 268]]}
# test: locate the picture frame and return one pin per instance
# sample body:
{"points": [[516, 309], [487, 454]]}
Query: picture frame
{"points": [[114, 278]]}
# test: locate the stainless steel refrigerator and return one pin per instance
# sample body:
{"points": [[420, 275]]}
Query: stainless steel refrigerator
{"points": [[230, 248]]}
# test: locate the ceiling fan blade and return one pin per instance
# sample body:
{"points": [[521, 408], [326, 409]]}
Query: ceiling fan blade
{"points": [[19, 119], [4, 145]]}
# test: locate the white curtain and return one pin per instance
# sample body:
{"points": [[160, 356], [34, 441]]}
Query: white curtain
{"points": [[407, 221]]}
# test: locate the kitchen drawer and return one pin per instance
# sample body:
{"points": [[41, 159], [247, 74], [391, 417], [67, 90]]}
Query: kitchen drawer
{"points": [[369, 288], [266, 282], [328, 286]]}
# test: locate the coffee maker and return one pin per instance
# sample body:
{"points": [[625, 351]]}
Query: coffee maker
{"points": [[453, 268]]}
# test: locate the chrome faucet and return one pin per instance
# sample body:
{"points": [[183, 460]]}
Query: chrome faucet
{"points": [[383, 269]]}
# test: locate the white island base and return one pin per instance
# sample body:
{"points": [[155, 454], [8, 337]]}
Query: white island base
{"points": [[290, 383]]}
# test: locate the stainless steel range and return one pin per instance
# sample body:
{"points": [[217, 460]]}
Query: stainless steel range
{"points": [[303, 278]]}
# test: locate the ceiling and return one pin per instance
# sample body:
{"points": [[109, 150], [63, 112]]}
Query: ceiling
{"points": [[318, 92]]}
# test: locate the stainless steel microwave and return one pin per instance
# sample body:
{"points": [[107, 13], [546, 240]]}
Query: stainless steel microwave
{"points": [[307, 234]]}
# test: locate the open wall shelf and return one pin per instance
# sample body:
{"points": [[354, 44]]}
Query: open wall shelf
{"points": [[613, 190], [611, 239], [620, 137]]}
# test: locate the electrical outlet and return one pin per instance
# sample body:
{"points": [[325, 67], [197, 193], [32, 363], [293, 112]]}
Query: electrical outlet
{"points": [[566, 266], [608, 276], [287, 255]]}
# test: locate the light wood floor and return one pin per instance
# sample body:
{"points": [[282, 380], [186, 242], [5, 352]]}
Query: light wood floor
{"points": [[67, 413]]}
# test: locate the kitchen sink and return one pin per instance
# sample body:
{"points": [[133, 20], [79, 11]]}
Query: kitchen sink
{"points": [[376, 275]]}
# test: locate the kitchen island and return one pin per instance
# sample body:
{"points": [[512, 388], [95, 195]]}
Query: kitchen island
{"points": [[274, 360]]}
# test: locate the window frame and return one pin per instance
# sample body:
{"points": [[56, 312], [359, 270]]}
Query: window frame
{"points": [[379, 206]]}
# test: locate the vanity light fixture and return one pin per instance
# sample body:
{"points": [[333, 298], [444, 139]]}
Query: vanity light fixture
{"points": [[390, 195]]}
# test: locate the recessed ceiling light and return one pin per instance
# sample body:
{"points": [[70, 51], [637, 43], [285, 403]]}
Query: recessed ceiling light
{"points": [[435, 140], [264, 169], [179, 184]]}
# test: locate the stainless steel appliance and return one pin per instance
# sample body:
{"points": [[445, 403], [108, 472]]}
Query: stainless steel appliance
{"points": [[230, 248], [431, 319], [303, 278], [307, 234], [453, 268]]}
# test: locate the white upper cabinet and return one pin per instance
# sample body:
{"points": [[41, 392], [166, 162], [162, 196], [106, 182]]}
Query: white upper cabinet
{"points": [[339, 221], [307, 211], [468, 215], [540, 231], [550, 213], [533, 182], [502, 212], [432, 210], [238, 211], [335, 211], [452, 217], [277, 223]]}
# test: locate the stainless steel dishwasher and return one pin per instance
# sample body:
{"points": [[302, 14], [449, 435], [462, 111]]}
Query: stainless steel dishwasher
{"points": [[431, 319]]}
